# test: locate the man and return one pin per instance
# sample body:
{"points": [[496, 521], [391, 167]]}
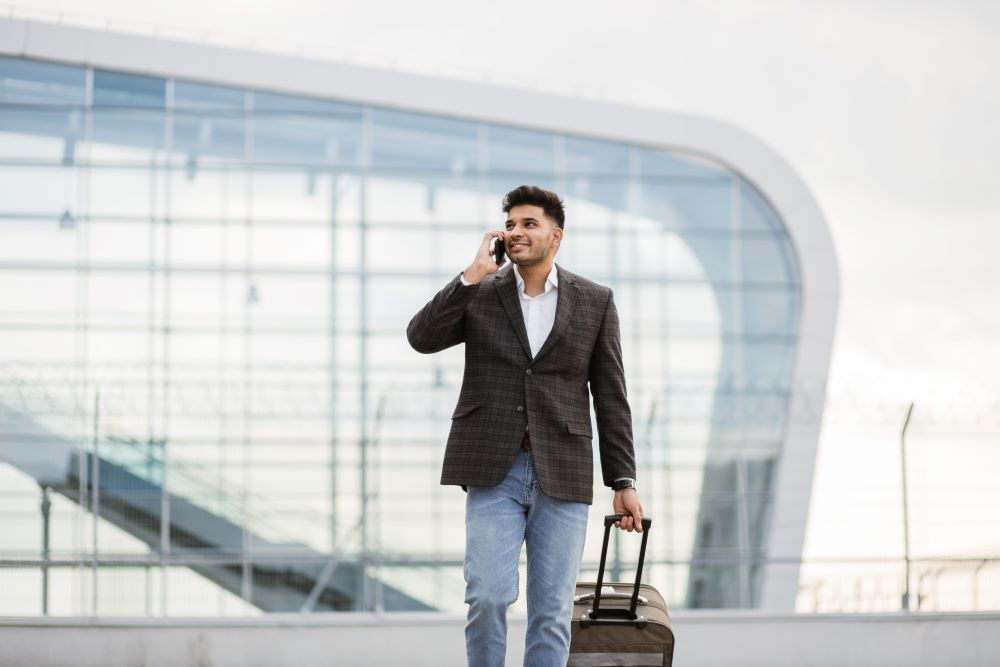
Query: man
{"points": [[535, 337]]}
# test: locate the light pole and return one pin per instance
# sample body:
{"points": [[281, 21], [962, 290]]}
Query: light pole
{"points": [[46, 509], [906, 512]]}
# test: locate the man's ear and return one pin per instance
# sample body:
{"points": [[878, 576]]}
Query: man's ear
{"points": [[557, 235]]}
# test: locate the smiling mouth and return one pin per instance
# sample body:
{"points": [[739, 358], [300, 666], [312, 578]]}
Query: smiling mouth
{"points": [[516, 246]]}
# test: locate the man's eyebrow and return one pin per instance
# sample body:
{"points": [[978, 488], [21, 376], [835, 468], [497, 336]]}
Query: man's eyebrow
{"points": [[527, 219]]}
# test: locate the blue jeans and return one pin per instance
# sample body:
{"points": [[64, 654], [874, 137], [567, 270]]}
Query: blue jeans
{"points": [[498, 520]]}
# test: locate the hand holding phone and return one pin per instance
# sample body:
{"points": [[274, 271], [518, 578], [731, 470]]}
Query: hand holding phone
{"points": [[489, 257]]}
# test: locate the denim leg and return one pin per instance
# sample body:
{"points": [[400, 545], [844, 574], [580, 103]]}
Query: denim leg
{"points": [[494, 526], [555, 534]]}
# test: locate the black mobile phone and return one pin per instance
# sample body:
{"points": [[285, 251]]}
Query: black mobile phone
{"points": [[499, 251]]}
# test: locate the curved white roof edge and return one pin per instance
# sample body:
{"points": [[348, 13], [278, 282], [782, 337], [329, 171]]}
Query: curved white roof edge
{"points": [[719, 141]]}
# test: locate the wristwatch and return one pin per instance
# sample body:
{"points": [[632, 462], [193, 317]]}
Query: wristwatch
{"points": [[620, 484]]}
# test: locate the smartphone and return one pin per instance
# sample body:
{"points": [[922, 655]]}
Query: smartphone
{"points": [[499, 251]]}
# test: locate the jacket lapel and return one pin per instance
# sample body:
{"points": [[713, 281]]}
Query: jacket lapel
{"points": [[506, 288], [564, 310]]}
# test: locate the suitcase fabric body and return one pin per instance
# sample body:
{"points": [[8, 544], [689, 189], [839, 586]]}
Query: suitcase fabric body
{"points": [[620, 635]]}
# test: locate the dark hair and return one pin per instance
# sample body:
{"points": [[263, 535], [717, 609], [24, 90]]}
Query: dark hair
{"points": [[533, 195]]}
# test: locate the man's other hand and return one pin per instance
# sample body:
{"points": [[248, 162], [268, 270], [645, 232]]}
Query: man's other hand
{"points": [[627, 504]]}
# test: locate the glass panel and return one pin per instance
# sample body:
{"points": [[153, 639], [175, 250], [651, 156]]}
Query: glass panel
{"points": [[127, 135], [529, 155], [30, 293], [128, 119], [123, 193], [390, 348], [756, 213], [22, 588], [206, 300], [297, 130], [765, 364], [291, 347], [289, 301], [752, 417], [33, 344], [118, 347], [36, 240], [124, 242], [32, 82], [768, 312], [114, 89], [398, 202], [587, 252], [119, 298], [424, 147], [40, 134], [455, 201], [289, 196], [657, 166], [27, 128], [208, 123], [703, 257], [698, 202], [207, 244], [587, 156], [189, 95], [768, 260], [302, 247], [404, 250], [209, 194], [44, 193], [693, 310]]}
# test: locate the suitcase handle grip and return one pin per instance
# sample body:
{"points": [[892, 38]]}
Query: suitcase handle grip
{"points": [[609, 521], [610, 596]]}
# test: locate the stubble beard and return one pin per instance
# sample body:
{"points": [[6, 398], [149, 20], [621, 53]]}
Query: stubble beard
{"points": [[530, 259]]}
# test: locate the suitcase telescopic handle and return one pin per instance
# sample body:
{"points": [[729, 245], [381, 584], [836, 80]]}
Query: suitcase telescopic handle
{"points": [[609, 521]]}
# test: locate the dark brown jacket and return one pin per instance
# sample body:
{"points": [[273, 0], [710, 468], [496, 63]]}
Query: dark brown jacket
{"points": [[505, 391]]}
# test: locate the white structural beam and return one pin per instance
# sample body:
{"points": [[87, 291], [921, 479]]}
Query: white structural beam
{"points": [[723, 143]]}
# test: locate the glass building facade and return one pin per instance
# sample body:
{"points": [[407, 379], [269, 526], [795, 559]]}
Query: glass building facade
{"points": [[207, 401]]}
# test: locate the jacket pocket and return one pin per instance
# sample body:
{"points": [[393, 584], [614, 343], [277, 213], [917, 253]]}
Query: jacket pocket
{"points": [[464, 411], [579, 428]]}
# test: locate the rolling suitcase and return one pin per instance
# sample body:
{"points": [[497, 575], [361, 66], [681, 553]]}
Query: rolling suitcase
{"points": [[620, 624]]}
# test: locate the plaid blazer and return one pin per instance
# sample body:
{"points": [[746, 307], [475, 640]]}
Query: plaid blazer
{"points": [[505, 390]]}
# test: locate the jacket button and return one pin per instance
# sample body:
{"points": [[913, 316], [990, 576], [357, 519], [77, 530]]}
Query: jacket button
{"points": [[527, 372], [520, 408]]}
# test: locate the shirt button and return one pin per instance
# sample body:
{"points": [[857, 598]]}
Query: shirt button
{"points": [[527, 372], [520, 408]]}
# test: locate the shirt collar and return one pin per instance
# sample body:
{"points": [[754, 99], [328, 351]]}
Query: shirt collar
{"points": [[551, 282]]}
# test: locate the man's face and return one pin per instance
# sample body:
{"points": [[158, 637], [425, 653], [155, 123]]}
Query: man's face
{"points": [[531, 237]]}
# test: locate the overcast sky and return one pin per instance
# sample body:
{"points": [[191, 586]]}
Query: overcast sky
{"points": [[889, 111]]}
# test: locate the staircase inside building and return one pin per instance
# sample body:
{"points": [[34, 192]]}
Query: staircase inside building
{"points": [[121, 480]]}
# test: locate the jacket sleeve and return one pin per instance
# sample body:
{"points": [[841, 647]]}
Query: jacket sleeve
{"points": [[607, 385], [440, 324]]}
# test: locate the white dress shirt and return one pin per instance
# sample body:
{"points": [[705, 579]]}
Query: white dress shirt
{"points": [[539, 311]]}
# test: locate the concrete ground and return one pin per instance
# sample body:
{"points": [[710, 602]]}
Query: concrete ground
{"points": [[709, 638]]}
